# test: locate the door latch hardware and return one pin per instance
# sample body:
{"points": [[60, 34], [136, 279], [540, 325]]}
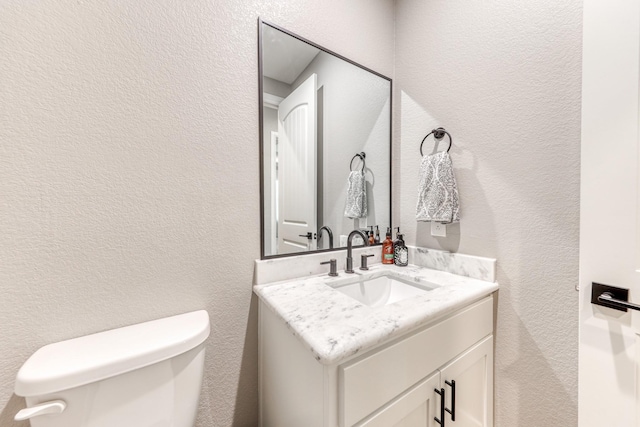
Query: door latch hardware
{"points": [[611, 297]]}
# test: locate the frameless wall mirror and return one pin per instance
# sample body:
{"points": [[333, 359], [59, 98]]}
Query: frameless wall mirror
{"points": [[325, 144]]}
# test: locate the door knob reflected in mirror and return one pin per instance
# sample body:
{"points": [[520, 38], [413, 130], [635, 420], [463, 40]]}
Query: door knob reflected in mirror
{"points": [[309, 235]]}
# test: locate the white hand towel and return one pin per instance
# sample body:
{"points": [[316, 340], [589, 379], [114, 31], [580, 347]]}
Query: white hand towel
{"points": [[356, 206], [437, 190]]}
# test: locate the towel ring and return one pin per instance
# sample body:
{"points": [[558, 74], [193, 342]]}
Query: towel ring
{"points": [[362, 155], [438, 134]]}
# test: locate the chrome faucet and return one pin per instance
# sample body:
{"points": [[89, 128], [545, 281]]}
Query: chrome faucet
{"points": [[329, 232], [350, 247]]}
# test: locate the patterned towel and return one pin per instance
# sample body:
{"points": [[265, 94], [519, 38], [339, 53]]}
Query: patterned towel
{"points": [[356, 206], [437, 190]]}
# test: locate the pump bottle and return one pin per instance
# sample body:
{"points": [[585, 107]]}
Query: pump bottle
{"points": [[387, 248], [400, 251]]}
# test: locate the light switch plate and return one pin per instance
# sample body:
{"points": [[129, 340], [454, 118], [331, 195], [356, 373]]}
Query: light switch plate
{"points": [[438, 229]]}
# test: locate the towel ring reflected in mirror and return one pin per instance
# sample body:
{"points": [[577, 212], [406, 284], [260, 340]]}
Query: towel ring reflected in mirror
{"points": [[362, 155], [438, 134]]}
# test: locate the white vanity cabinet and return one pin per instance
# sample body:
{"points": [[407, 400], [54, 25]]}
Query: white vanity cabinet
{"points": [[393, 384], [472, 375]]}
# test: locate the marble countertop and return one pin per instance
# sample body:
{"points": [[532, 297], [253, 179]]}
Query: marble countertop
{"points": [[335, 327]]}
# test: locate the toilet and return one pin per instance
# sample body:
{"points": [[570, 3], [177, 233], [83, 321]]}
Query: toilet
{"points": [[144, 375]]}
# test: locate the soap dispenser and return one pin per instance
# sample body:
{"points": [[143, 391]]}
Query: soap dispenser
{"points": [[372, 239], [395, 242], [400, 251], [377, 238], [387, 248]]}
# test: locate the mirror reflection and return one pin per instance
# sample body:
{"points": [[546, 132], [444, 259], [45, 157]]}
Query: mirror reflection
{"points": [[326, 146]]}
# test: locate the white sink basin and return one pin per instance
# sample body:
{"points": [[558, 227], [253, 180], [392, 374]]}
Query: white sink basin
{"points": [[382, 290]]}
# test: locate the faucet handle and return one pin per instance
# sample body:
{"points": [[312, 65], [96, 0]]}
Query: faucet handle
{"points": [[333, 267], [363, 261]]}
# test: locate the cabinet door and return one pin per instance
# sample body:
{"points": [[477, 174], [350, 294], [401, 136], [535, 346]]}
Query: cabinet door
{"points": [[472, 372], [415, 408]]}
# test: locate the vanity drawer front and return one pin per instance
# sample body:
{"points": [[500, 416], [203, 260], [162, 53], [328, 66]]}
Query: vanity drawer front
{"points": [[369, 383]]}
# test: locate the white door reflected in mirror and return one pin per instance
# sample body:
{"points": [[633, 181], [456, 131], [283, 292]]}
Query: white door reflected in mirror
{"points": [[296, 171]]}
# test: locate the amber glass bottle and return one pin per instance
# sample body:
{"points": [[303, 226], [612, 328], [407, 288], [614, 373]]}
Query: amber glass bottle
{"points": [[387, 249]]}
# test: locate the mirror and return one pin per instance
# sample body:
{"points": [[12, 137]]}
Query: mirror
{"points": [[325, 127]]}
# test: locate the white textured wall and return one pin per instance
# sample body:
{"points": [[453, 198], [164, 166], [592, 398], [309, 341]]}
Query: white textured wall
{"points": [[129, 180], [505, 80]]}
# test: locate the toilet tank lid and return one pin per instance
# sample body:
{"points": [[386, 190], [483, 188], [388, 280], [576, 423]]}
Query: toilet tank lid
{"points": [[83, 360]]}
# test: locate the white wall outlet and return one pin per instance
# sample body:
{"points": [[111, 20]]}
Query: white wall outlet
{"points": [[343, 240], [357, 241], [438, 229], [362, 223]]}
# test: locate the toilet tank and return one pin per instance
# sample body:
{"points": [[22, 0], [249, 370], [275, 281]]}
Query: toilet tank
{"points": [[144, 375]]}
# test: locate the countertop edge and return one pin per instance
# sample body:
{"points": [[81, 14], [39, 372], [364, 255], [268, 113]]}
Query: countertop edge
{"points": [[375, 338]]}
